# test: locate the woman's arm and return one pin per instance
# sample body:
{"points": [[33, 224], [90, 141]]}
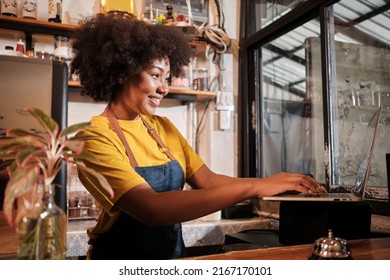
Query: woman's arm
{"points": [[272, 185], [213, 192]]}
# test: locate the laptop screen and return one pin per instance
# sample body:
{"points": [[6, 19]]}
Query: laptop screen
{"points": [[368, 147]]}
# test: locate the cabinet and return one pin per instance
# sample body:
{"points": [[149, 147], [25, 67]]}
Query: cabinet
{"points": [[31, 26]]}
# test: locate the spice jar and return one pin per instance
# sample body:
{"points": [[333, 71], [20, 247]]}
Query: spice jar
{"points": [[200, 79]]}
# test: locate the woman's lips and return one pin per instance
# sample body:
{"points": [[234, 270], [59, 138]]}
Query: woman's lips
{"points": [[156, 101]]}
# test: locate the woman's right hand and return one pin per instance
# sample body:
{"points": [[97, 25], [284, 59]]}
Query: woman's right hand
{"points": [[288, 182]]}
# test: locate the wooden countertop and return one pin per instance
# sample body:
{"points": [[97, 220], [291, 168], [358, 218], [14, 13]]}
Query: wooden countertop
{"points": [[366, 249], [8, 240], [363, 249]]}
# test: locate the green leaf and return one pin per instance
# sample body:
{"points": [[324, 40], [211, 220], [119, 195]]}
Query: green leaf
{"points": [[19, 183], [73, 129], [85, 155], [8, 156], [20, 143], [12, 167], [103, 183], [47, 122], [74, 145], [29, 156], [17, 132]]}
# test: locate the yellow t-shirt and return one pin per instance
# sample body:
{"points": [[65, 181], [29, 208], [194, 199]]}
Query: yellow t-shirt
{"points": [[113, 163]]}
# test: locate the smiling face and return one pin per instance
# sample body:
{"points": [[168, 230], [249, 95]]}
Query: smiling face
{"points": [[143, 92]]}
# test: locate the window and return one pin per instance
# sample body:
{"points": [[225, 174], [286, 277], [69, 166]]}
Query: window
{"points": [[313, 73]]}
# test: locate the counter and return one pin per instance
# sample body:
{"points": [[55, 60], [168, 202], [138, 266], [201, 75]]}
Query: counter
{"points": [[195, 233], [200, 233], [362, 249]]}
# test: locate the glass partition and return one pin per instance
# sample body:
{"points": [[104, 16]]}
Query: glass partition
{"points": [[292, 95], [362, 52], [291, 105]]}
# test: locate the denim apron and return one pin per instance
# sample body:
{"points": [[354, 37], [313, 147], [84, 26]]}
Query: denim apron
{"points": [[132, 240]]}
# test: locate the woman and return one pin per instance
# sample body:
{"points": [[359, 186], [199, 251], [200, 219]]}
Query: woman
{"points": [[128, 64]]}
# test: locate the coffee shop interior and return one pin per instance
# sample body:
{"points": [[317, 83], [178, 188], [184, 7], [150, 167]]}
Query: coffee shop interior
{"points": [[273, 86]]}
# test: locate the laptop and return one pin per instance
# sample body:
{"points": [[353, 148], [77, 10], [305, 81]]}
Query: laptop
{"points": [[359, 189]]}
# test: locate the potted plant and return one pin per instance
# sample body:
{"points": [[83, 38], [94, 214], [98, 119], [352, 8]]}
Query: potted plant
{"points": [[35, 160]]}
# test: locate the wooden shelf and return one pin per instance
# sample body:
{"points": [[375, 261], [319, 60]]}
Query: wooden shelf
{"points": [[32, 26], [200, 95], [184, 94], [36, 26]]}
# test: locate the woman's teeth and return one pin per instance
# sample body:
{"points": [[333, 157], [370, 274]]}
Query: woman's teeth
{"points": [[155, 100]]}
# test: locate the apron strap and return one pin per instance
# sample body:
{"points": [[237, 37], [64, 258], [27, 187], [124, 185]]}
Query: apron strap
{"points": [[114, 123], [160, 143]]}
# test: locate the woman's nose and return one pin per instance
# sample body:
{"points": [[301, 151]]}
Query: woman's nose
{"points": [[163, 89]]}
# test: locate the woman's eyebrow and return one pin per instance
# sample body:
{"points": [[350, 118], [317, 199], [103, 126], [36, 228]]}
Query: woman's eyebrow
{"points": [[158, 67]]}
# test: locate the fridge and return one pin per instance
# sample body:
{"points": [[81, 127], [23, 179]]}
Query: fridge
{"points": [[31, 82]]}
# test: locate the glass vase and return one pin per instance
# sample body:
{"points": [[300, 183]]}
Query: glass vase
{"points": [[42, 230]]}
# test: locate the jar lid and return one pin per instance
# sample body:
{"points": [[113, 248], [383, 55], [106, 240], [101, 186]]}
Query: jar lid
{"points": [[61, 38]]}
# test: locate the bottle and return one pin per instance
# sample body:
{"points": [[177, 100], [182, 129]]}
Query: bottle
{"points": [[30, 9], [9, 8], [42, 229], [169, 19], [54, 11], [20, 46], [52, 236]]}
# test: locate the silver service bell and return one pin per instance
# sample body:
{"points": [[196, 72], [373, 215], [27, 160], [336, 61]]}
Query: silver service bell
{"points": [[330, 248]]}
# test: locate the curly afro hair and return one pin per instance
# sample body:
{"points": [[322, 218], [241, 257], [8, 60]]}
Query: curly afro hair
{"points": [[108, 49]]}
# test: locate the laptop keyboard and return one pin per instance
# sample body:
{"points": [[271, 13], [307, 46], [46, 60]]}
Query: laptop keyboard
{"points": [[332, 195]]}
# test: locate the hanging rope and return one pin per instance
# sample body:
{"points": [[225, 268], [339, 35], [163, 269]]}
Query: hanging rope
{"points": [[215, 35]]}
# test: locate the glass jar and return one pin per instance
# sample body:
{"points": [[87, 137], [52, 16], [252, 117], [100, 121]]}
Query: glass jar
{"points": [[63, 50], [42, 231], [200, 79], [61, 47], [183, 80]]}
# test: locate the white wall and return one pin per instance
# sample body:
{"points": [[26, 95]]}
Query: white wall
{"points": [[218, 147]]}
